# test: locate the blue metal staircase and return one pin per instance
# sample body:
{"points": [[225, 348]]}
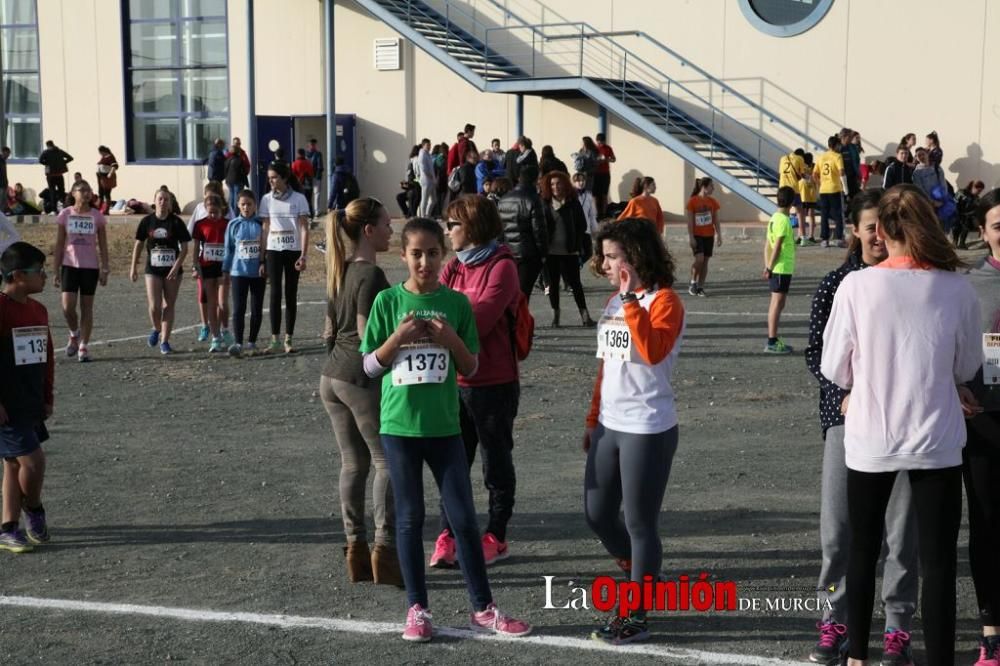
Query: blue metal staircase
{"points": [[496, 51]]}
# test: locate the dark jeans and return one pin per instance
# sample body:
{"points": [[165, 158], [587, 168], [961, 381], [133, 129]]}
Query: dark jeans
{"points": [[307, 192], [567, 266], [240, 288], [281, 265], [409, 200], [487, 414], [57, 192], [981, 469], [831, 205], [234, 197], [446, 458], [527, 275], [937, 500]]}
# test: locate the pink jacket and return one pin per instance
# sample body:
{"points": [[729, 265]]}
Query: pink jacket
{"points": [[492, 287]]}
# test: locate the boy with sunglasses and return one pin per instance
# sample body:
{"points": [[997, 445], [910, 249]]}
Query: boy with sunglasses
{"points": [[27, 366]]}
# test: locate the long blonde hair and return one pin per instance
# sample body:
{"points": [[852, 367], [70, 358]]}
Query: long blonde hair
{"points": [[349, 222], [907, 216]]}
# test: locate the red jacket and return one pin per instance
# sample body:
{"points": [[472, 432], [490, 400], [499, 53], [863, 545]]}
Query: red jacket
{"points": [[492, 287], [303, 170]]}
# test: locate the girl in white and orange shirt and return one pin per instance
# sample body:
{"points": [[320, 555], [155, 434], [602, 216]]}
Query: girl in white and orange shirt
{"points": [[631, 433], [905, 336]]}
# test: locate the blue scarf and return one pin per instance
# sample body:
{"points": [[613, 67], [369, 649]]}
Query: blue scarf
{"points": [[477, 255]]}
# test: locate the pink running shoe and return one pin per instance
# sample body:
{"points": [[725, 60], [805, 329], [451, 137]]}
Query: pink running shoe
{"points": [[989, 651], [444, 552], [418, 625], [493, 621], [494, 550]]}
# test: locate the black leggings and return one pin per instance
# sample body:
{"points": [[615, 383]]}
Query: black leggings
{"points": [[568, 266], [937, 500], [282, 264], [240, 286], [982, 486]]}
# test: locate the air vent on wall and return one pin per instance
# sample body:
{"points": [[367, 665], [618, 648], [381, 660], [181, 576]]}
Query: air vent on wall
{"points": [[387, 54]]}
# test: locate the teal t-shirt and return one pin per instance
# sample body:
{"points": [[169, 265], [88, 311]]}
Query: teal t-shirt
{"points": [[780, 226], [420, 394]]}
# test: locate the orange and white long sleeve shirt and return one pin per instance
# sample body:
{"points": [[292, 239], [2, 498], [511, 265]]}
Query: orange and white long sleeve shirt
{"points": [[638, 344]]}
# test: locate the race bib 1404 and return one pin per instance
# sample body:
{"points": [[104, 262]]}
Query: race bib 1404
{"points": [[248, 250]]}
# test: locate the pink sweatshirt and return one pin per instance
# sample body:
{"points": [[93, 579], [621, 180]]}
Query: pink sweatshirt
{"points": [[492, 287], [900, 338]]}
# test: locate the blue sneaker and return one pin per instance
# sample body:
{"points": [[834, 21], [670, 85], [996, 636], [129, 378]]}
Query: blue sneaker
{"points": [[153, 339], [216, 346], [203, 333], [35, 528], [165, 348], [15, 542], [227, 337]]}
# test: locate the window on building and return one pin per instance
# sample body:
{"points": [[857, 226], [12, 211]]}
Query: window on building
{"points": [[22, 106], [178, 78]]}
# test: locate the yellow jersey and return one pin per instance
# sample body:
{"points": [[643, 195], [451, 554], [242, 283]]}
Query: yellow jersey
{"points": [[790, 170], [807, 189], [829, 168]]}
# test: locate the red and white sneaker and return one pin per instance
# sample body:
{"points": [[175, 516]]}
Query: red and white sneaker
{"points": [[72, 345], [493, 621], [418, 625], [494, 550], [989, 651], [444, 552]]}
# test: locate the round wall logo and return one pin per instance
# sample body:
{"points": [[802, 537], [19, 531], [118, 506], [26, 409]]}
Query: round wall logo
{"points": [[784, 18]]}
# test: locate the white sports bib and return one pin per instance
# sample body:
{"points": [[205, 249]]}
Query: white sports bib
{"points": [[703, 218], [991, 359], [162, 257], [213, 251], [81, 225], [614, 340], [279, 241], [420, 364], [30, 344], [248, 250]]}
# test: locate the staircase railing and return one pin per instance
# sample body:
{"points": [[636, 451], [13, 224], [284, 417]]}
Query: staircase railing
{"points": [[718, 92]]}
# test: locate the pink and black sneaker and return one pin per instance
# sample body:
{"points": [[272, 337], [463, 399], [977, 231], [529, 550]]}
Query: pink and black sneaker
{"points": [[832, 643], [896, 648]]}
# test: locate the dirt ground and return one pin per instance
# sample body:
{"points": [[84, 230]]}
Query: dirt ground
{"points": [[210, 483]]}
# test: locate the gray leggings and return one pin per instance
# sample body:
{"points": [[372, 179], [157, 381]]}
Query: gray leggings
{"points": [[631, 472], [354, 415]]}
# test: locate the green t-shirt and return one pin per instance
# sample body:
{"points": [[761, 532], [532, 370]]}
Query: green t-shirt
{"points": [[419, 409], [780, 226]]}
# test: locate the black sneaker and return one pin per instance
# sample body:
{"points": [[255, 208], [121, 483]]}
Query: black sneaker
{"points": [[622, 630], [832, 644]]}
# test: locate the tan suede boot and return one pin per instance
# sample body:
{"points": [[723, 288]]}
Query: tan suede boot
{"points": [[359, 562], [385, 566]]}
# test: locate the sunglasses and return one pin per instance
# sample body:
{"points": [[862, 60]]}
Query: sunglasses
{"points": [[451, 224]]}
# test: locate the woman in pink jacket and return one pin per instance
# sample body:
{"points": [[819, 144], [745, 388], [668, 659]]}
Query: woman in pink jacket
{"points": [[903, 338], [486, 273]]}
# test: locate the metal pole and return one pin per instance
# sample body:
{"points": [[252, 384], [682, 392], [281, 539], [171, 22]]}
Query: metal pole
{"points": [[331, 90], [519, 114], [252, 148], [602, 120]]}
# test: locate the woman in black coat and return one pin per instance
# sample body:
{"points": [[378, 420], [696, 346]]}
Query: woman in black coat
{"points": [[567, 227]]}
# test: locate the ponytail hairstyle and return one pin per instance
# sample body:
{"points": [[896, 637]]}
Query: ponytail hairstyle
{"points": [[640, 185], [350, 222], [643, 247], [933, 136], [699, 185], [907, 216], [862, 201]]}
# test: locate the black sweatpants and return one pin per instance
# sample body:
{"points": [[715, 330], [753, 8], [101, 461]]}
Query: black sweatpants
{"points": [[487, 416], [982, 486], [937, 500], [567, 266], [527, 275], [240, 288], [281, 267]]}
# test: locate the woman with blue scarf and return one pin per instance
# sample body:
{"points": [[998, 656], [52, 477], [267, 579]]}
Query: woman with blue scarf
{"points": [[486, 273]]}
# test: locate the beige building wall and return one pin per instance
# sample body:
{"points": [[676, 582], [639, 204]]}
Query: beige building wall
{"points": [[859, 67]]}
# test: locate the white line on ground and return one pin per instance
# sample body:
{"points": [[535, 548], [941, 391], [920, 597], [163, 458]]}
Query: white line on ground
{"points": [[393, 629]]}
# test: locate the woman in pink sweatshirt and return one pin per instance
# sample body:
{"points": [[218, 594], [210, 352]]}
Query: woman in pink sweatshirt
{"points": [[486, 272], [901, 338]]}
